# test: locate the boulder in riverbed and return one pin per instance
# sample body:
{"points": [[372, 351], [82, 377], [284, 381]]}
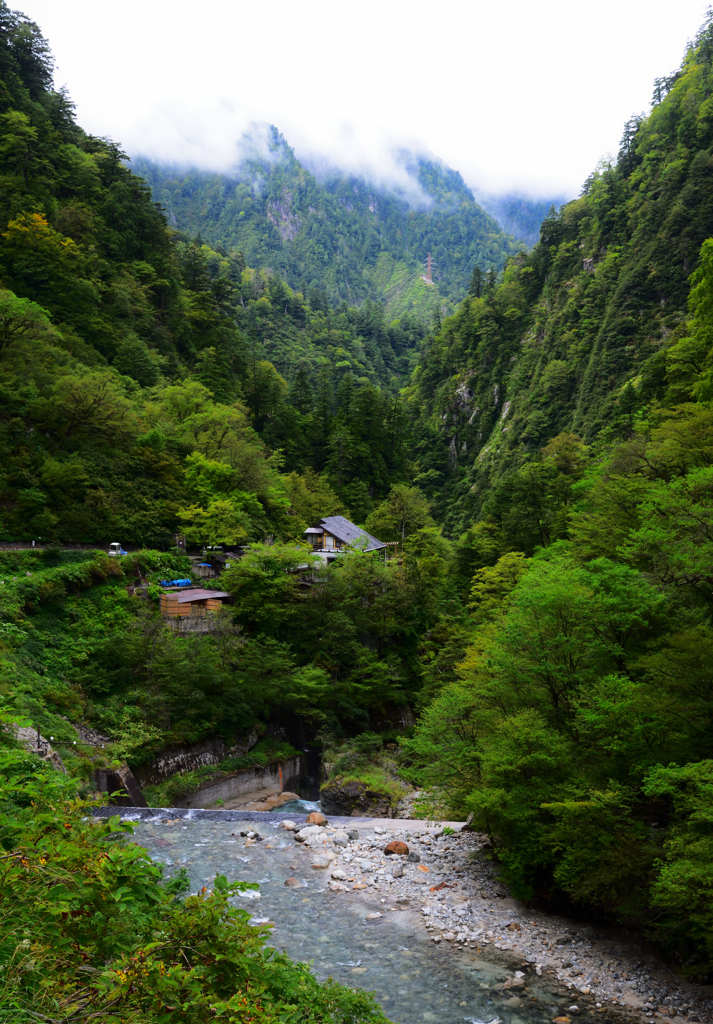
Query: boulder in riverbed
{"points": [[316, 818], [307, 832], [396, 847], [516, 981], [322, 860]]}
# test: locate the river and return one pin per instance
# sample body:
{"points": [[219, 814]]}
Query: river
{"points": [[414, 980]]}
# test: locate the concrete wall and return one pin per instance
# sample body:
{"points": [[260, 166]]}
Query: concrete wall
{"points": [[249, 781]]}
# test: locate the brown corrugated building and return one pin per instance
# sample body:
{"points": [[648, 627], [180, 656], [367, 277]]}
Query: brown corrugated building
{"points": [[195, 602]]}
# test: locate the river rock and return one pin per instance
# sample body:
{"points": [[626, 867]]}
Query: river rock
{"points": [[413, 857], [339, 873], [316, 818], [396, 846], [340, 839], [292, 882], [290, 826], [353, 833], [366, 866], [336, 886], [397, 869], [373, 917], [306, 833], [322, 860]]}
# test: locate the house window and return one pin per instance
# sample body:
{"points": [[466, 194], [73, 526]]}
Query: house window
{"points": [[328, 541]]}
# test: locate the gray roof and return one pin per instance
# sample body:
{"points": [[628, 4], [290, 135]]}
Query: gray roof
{"points": [[188, 596], [348, 533]]}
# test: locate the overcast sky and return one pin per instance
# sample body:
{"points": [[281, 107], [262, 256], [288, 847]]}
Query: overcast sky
{"points": [[516, 95]]}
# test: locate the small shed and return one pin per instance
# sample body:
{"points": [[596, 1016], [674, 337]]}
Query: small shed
{"points": [[179, 603]]}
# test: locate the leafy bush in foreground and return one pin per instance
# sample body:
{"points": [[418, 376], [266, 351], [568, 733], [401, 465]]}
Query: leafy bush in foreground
{"points": [[90, 930]]}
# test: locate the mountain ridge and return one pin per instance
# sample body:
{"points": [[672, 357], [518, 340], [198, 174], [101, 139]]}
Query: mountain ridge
{"points": [[329, 229]]}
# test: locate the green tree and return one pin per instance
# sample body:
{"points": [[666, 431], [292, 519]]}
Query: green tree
{"points": [[404, 511], [491, 586], [221, 522], [265, 583]]}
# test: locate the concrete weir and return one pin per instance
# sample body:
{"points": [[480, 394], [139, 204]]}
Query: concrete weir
{"points": [[273, 818]]}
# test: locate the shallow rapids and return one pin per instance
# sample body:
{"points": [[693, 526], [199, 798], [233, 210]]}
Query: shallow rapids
{"points": [[414, 979]]}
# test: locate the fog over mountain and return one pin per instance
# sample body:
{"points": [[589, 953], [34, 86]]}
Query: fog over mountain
{"points": [[517, 97]]}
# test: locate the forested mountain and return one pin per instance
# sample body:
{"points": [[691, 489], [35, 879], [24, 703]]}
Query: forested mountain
{"points": [[128, 353], [574, 338], [543, 458], [564, 422], [339, 232]]}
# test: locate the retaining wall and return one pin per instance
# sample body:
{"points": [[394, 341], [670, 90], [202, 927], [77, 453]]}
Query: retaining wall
{"points": [[248, 781]]}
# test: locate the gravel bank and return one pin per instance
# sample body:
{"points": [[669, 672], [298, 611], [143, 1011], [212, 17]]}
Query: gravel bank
{"points": [[463, 905]]}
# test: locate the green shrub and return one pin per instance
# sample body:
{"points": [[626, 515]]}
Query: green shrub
{"points": [[90, 929], [682, 894]]}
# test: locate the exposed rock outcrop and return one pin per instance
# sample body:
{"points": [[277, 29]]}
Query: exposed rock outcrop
{"points": [[355, 799], [32, 740], [186, 758]]}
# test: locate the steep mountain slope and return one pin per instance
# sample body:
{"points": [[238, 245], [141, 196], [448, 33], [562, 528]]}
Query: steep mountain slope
{"points": [[126, 353], [330, 232], [574, 336]]}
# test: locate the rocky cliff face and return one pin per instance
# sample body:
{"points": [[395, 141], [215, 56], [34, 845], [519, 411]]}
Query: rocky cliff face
{"points": [[281, 213], [185, 757], [355, 800]]}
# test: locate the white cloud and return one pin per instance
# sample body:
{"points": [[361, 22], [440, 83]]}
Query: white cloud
{"points": [[514, 95]]}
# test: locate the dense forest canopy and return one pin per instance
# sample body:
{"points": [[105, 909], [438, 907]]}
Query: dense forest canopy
{"points": [[542, 457], [130, 354]]}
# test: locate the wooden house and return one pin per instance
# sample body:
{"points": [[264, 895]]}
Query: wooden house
{"points": [[335, 533]]}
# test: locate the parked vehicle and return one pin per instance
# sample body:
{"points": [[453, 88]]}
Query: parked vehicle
{"points": [[116, 550]]}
